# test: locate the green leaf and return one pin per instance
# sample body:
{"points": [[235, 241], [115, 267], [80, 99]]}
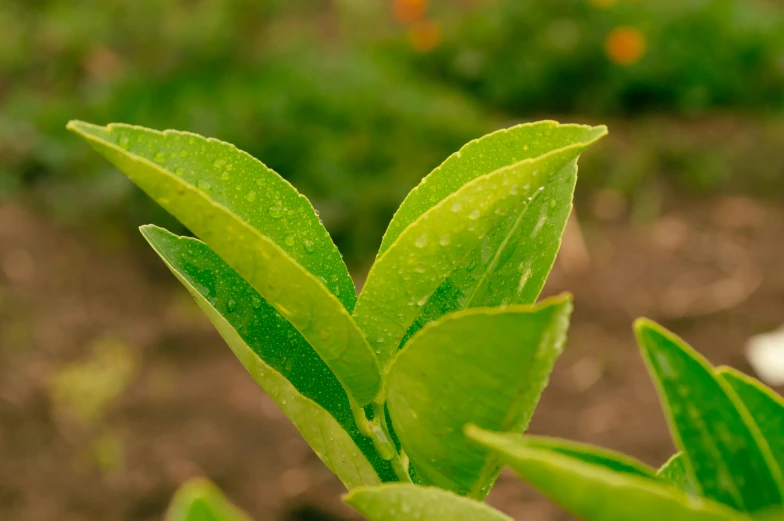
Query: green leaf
{"points": [[276, 355], [593, 455], [260, 226], [398, 502], [674, 471], [490, 242], [709, 424], [596, 492], [200, 500], [483, 365], [765, 407], [479, 157]]}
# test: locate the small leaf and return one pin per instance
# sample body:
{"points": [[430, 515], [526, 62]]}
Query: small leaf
{"points": [[302, 280], [276, 355], [408, 502], [200, 500], [674, 471], [596, 492], [718, 438], [479, 246], [593, 455], [484, 365], [764, 405]]}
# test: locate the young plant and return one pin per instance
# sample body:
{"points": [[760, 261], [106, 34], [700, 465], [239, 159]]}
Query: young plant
{"points": [[726, 426], [444, 333]]}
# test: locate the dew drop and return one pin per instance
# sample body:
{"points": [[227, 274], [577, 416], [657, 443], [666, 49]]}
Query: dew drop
{"points": [[251, 196], [231, 305], [203, 185], [421, 241], [179, 171], [421, 302], [309, 246], [457, 206], [256, 302], [124, 142], [275, 211], [225, 175], [183, 153], [444, 240], [289, 240], [219, 163], [513, 190], [160, 157], [474, 215]]}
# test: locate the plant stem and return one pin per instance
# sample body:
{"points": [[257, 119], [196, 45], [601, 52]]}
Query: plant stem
{"points": [[378, 431]]}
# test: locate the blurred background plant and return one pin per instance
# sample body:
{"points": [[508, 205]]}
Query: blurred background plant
{"points": [[680, 212], [354, 101]]}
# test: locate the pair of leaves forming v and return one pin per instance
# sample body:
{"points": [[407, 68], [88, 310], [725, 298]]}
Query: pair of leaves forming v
{"points": [[274, 285]]}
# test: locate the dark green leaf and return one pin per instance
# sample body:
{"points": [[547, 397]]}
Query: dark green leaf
{"points": [[276, 355], [709, 424], [596, 492], [411, 502], [237, 206], [483, 365], [764, 405]]}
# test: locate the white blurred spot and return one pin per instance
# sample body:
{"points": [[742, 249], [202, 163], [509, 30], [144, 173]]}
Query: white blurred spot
{"points": [[765, 353]]}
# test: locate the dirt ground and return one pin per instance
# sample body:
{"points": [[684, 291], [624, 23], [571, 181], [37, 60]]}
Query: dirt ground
{"points": [[114, 389]]}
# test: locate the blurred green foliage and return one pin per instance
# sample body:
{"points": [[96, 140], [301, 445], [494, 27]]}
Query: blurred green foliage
{"points": [[355, 100]]}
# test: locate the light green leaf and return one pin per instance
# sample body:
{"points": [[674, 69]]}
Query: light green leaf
{"points": [[483, 365], [479, 157], [596, 492], [594, 455], [231, 201], [276, 355], [725, 452], [200, 500], [674, 471], [765, 407], [398, 502], [481, 245]]}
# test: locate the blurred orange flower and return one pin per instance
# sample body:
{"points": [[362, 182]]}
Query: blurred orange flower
{"points": [[408, 11], [625, 45], [425, 35]]}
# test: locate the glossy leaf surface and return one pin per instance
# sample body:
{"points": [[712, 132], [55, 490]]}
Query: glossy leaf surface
{"points": [[276, 355], [485, 365], [720, 442], [482, 245], [596, 492], [292, 263], [200, 500], [408, 502], [764, 405]]}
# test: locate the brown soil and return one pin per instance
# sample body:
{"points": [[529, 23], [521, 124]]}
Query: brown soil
{"points": [[711, 271]]}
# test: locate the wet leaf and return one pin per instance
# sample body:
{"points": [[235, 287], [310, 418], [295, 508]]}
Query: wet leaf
{"points": [[764, 405], [485, 365], [260, 226], [276, 355], [597, 492], [720, 441], [489, 241], [200, 500], [408, 502]]}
